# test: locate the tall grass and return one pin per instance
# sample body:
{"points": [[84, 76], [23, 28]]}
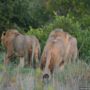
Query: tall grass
{"points": [[74, 76]]}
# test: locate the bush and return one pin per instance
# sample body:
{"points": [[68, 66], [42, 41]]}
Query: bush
{"points": [[69, 25], [85, 21]]}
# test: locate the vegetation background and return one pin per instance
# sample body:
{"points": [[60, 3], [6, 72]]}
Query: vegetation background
{"points": [[39, 17]]}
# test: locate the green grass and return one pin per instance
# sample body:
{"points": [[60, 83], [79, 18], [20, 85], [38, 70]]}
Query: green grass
{"points": [[2, 54], [73, 70], [25, 78]]}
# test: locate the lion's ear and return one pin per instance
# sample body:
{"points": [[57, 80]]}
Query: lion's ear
{"points": [[4, 33], [16, 33]]}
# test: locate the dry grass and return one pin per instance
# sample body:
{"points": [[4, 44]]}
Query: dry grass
{"points": [[75, 76]]}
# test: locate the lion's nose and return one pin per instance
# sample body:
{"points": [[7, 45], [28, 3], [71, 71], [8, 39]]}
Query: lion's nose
{"points": [[45, 76]]}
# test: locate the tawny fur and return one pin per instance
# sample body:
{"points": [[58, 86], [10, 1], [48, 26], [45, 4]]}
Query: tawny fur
{"points": [[60, 48], [20, 45]]}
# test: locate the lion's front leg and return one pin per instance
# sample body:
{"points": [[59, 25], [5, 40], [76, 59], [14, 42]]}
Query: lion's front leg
{"points": [[6, 59], [21, 64], [8, 55]]}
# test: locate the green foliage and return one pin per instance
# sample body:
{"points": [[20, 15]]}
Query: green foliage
{"points": [[70, 25], [22, 13], [85, 22], [73, 7], [70, 15], [35, 13]]}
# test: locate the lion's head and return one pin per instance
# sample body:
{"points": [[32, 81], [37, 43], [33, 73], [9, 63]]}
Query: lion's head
{"points": [[8, 36]]}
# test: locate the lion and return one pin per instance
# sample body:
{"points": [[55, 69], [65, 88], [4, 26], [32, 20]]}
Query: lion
{"points": [[69, 41], [27, 48], [60, 48]]}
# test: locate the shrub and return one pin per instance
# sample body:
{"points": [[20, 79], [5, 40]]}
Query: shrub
{"points": [[70, 25], [85, 21]]}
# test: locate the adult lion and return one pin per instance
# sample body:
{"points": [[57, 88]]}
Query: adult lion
{"points": [[24, 46], [70, 42], [60, 48]]}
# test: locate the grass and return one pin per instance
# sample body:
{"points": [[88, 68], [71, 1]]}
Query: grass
{"points": [[72, 70], [72, 77], [2, 54]]}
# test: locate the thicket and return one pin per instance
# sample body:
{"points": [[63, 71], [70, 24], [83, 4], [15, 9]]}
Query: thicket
{"points": [[36, 13], [68, 24]]}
